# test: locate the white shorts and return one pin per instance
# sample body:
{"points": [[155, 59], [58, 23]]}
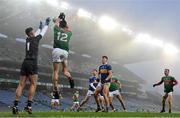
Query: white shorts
{"points": [[55, 101], [112, 93], [75, 103], [101, 85], [101, 97], [170, 93], [89, 93], [59, 55]]}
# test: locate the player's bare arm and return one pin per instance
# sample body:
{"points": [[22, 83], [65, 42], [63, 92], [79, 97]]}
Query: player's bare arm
{"points": [[175, 82], [109, 75], [157, 84], [119, 83], [56, 21]]}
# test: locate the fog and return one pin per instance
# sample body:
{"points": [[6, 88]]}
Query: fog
{"points": [[153, 71], [159, 18]]}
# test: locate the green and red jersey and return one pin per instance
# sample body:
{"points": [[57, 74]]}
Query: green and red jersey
{"points": [[168, 83], [61, 38]]}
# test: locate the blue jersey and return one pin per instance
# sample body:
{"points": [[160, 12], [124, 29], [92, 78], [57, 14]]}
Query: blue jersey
{"points": [[91, 80], [103, 71]]}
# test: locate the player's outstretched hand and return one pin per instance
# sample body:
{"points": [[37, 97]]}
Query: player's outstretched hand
{"points": [[48, 19], [154, 85], [61, 16], [40, 25]]}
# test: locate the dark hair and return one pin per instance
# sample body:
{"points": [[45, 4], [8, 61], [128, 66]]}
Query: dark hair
{"points": [[63, 24], [28, 30], [105, 57], [166, 69]]}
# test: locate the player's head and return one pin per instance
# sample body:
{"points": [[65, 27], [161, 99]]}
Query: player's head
{"points": [[30, 32], [94, 72], [166, 71], [104, 59], [63, 24]]}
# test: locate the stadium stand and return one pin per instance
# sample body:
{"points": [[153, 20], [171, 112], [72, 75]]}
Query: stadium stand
{"points": [[11, 57]]}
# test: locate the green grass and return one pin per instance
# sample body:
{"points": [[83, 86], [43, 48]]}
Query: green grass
{"points": [[89, 114]]}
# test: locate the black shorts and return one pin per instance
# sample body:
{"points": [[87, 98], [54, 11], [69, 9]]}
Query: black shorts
{"points": [[29, 67], [103, 81]]}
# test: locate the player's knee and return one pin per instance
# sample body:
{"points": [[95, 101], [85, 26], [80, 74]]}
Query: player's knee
{"points": [[33, 83], [110, 100], [21, 84], [164, 97], [65, 72], [56, 72], [105, 93], [169, 100], [95, 93]]}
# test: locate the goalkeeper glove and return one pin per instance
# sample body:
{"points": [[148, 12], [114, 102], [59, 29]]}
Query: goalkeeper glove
{"points": [[40, 25], [48, 19]]}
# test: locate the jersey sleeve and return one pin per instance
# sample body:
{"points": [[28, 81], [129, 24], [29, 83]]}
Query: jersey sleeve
{"points": [[69, 33], [91, 80], [109, 67], [116, 79], [173, 78], [39, 37], [162, 79]]}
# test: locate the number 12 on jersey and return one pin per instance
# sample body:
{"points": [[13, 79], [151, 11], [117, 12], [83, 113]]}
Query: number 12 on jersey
{"points": [[62, 36]]}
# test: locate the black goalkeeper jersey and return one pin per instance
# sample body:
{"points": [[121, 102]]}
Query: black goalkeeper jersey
{"points": [[32, 44], [56, 95]]}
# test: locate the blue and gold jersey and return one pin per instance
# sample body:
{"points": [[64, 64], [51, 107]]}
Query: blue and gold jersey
{"points": [[104, 72]]}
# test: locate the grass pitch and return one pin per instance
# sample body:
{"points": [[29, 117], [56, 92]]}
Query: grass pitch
{"points": [[90, 114]]}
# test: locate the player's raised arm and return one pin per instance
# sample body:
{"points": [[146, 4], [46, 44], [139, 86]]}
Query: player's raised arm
{"points": [[45, 28], [39, 29], [119, 83], [56, 21]]}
